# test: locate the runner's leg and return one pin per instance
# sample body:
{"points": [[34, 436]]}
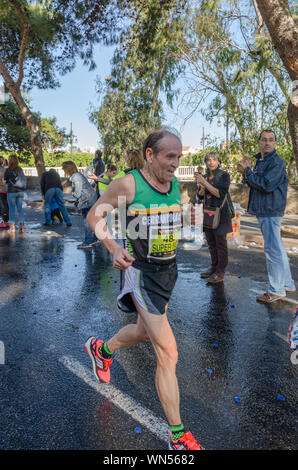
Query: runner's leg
{"points": [[156, 329], [164, 344], [129, 335]]}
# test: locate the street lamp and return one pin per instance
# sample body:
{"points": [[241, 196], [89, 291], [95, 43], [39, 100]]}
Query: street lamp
{"points": [[228, 123], [72, 139]]}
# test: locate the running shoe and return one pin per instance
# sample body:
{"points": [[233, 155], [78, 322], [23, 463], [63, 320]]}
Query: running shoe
{"points": [[101, 366], [293, 331], [186, 442]]}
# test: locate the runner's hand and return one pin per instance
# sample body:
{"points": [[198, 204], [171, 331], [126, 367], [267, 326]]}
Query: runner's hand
{"points": [[122, 259]]}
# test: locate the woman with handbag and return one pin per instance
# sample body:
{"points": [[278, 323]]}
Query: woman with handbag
{"points": [[217, 216], [16, 185]]}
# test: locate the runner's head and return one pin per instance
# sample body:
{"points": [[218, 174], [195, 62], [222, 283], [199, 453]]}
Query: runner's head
{"points": [[162, 150]]}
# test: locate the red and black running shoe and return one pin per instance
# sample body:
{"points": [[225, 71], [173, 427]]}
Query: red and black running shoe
{"points": [[186, 442], [101, 365]]}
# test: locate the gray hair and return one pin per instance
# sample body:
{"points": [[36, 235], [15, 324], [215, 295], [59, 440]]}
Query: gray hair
{"points": [[212, 155], [153, 140]]}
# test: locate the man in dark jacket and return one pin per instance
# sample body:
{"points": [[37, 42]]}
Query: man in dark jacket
{"points": [[51, 187], [268, 184]]}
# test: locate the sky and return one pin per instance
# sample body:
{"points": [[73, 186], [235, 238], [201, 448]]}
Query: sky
{"points": [[70, 102]]}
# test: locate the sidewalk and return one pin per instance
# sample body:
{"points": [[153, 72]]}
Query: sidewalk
{"points": [[249, 228]]}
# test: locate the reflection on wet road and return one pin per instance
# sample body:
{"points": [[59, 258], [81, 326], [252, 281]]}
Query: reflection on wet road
{"points": [[234, 363]]}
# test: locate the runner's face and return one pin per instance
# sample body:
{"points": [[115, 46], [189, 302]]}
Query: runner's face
{"points": [[164, 164]]}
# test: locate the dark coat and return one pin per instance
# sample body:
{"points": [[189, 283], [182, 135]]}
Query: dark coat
{"points": [[50, 179], [221, 181], [268, 184]]}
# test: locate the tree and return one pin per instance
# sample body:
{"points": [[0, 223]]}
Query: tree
{"points": [[284, 34], [52, 136], [144, 65], [233, 62], [14, 134], [40, 39]]}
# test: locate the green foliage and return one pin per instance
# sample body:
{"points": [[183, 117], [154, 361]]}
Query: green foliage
{"points": [[59, 31], [235, 63], [52, 136], [144, 65], [14, 134], [51, 159]]}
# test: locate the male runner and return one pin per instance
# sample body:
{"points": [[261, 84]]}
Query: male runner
{"points": [[153, 210]]}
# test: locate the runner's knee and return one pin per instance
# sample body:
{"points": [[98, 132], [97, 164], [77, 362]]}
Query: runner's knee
{"points": [[142, 335]]}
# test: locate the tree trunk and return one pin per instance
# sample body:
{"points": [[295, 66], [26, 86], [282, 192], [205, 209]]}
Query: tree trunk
{"points": [[293, 125], [284, 34], [31, 121]]}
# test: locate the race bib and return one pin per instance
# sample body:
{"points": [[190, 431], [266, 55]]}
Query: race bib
{"points": [[163, 242]]}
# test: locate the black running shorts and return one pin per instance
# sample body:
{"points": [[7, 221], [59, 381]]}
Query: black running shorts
{"points": [[151, 284]]}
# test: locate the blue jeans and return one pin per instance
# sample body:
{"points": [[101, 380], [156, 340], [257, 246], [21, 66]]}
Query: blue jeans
{"points": [[15, 200], [278, 268], [58, 195], [89, 235]]}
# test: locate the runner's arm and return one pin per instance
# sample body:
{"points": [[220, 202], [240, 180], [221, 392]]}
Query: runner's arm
{"points": [[124, 189]]}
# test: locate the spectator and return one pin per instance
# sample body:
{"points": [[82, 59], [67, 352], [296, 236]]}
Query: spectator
{"points": [[134, 161], [16, 185], [4, 211], [51, 187], [95, 170], [85, 198], [99, 165], [200, 171], [268, 184], [214, 191], [105, 179]]}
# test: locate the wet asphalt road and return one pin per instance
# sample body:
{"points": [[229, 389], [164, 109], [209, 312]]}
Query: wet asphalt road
{"points": [[53, 297]]}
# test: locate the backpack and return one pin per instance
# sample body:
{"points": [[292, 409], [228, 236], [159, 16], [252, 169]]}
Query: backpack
{"points": [[20, 181]]}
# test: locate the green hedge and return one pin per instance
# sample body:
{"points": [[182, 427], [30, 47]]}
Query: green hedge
{"points": [[52, 159]]}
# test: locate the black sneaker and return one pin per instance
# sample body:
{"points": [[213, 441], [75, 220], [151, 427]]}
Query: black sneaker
{"points": [[69, 224]]}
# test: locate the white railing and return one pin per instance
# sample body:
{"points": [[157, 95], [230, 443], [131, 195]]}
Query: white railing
{"points": [[182, 173], [33, 171], [185, 173]]}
